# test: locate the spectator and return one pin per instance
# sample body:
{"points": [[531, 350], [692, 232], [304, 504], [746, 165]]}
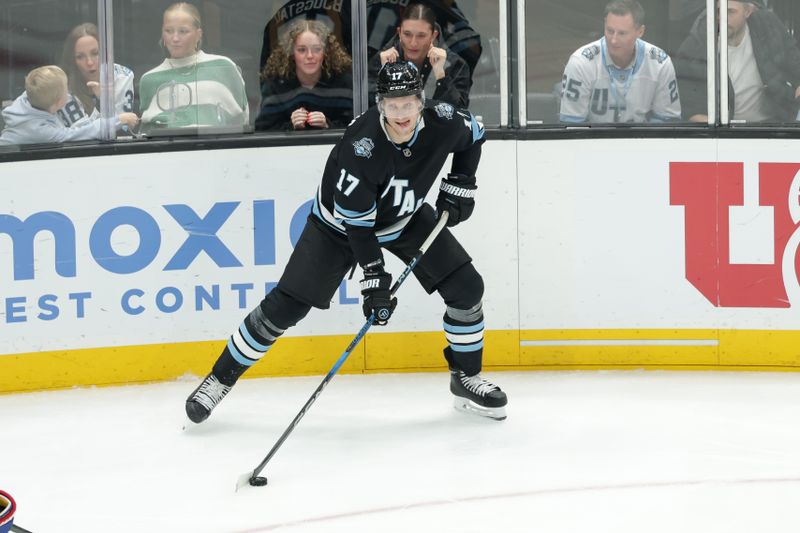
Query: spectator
{"points": [[383, 17], [335, 15], [306, 82], [416, 41], [763, 67], [455, 32], [620, 78], [81, 61], [32, 118], [191, 89]]}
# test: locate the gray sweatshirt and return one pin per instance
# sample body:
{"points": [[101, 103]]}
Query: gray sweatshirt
{"points": [[26, 124]]}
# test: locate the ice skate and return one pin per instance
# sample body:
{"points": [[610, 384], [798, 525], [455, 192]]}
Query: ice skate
{"points": [[476, 395], [205, 397]]}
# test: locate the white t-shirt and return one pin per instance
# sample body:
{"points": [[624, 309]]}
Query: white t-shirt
{"points": [[593, 89], [74, 113], [748, 87]]}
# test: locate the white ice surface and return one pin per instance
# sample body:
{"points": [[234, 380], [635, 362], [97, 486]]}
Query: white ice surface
{"points": [[580, 452]]}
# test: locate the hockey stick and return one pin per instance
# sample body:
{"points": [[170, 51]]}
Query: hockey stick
{"points": [[252, 477], [17, 529]]}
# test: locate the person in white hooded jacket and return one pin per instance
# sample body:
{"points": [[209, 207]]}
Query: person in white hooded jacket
{"points": [[33, 119]]}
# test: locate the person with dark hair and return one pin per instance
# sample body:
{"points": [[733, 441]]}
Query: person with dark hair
{"points": [[383, 18], [80, 60], [372, 196], [445, 76], [620, 78], [306, 81], [455, 31], [763, 67], [190, 88]]}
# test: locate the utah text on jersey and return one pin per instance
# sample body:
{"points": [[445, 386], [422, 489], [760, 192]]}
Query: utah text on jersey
{"points": [[593, 89], [371, 182]]}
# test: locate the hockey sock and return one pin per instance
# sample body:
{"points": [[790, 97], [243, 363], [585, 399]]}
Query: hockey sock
{"points": [[464, 331], [246, 346]]}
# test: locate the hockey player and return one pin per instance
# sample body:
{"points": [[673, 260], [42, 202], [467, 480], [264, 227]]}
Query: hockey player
{"points": [[620, 78], [372, 197]]}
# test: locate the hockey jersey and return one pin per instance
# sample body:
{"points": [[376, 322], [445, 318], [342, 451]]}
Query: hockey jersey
{"points": [[73, 111], [593, 89], [195, 91], [25, 124], [372, 187]]}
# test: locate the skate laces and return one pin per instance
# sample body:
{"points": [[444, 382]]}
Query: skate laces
{"points": [[210, 393], [477, 384]]}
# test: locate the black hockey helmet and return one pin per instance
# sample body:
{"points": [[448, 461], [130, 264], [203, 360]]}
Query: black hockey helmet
{"points": [[399, 79]]}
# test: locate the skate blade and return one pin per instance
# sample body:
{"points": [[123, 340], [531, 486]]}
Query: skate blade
{"points": [[468, 406], [187, 424]]}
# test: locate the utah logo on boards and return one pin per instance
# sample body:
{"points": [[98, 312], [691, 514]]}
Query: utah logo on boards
{"points": [[742, 231]]}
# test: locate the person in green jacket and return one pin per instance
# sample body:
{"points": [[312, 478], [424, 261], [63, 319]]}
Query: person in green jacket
{"points": [[191, 89]]}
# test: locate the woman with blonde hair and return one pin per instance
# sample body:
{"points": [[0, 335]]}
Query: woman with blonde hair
{"points": [[81, 61], [190, 88], [306, 82]]}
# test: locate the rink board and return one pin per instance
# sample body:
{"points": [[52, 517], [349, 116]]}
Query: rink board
{"points": [[133, 268]]}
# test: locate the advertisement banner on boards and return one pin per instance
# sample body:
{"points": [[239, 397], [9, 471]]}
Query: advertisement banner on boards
{"points": [[678, 233], [140, 249], [178, 247]]}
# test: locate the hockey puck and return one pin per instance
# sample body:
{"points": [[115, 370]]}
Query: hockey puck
{"points": [[258, 481]]}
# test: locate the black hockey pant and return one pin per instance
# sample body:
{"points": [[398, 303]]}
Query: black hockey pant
{"points": [[315, 270]]}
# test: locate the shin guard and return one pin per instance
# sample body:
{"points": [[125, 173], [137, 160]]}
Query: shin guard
{"points": [[257, 333], [248, 344], [464, 331]]}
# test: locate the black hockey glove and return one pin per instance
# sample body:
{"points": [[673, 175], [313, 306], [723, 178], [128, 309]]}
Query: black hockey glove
{"points": [[375, 287], [457, 197]]}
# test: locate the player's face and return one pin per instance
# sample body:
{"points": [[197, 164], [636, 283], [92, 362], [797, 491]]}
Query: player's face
{"points": [[87, 57], [416, 38], [737, 19], [621, 34], [180, 35], [308, 53], [402, 114]]}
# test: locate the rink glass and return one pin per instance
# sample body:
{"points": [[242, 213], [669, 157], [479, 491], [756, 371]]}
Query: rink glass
{"points": [[33, 34]]}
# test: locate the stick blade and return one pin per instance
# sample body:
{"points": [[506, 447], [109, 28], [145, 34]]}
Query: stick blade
{"points": [[244, 480]]}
